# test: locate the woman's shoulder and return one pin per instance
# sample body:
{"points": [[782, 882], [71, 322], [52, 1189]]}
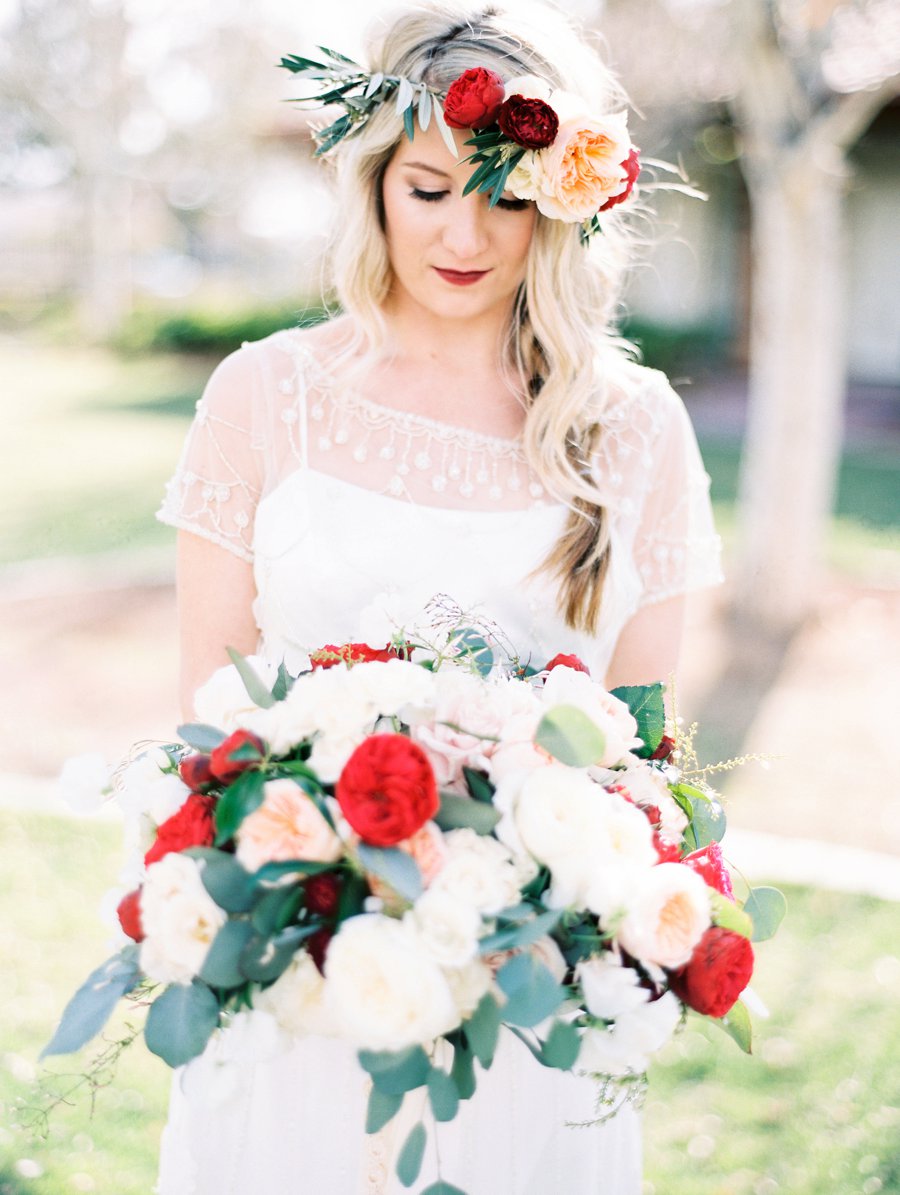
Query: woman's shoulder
{"points": [[640, 402]]}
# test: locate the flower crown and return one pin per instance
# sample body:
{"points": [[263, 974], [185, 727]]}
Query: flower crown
{"points": [[540, 143]]}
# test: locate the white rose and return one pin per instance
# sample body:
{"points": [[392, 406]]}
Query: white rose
{"points": [[84, 782], [610, 989], [667, 916], [647, 787], [223, 700], [526, 180], [387, 992], [180, 920], [145, 788], [532, 87], [297, 999], [625, 1047], [555, 814], [468, 984], [622, 855], [479, 871], [566, 686], [388, 687], [447, 928]]}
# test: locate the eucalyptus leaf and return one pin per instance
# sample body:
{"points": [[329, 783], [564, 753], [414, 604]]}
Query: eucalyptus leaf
{"points": [[532, 992], [256, 690], [409, 122], [648, 710], [728, 915], [442, 1188], [524, 933], [736, 1024], [382, 1108], [298, 867], [405, 95], [241, 798], [443, 1094], [201, 737], [374, 83], [463, 1070], [409, 1163], [276, 908], [262, 961], [221, 966], [91, 1006], [480, 788], [393, 866], [396, 1072], [482, 1029], [424, 110], [707, 823], [458, 812], [560, 1050], [284, 682], [766, 908], [231, 887], [570, 736], [180, 1022]]}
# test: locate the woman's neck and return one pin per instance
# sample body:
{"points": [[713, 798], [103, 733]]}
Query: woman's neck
{"points": [[465, 347]]}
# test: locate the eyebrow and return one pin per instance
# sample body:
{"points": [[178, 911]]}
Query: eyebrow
{"points": [[425, 166]]}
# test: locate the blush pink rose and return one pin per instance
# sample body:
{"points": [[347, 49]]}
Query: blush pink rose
{"points": [[667, 916], [584, 168], [288, 825]]}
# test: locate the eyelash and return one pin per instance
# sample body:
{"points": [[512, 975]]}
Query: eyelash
{"points": [[509, 205]]}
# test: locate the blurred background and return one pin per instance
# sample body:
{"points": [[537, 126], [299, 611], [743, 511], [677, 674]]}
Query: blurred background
{"points": [[159, 205]]}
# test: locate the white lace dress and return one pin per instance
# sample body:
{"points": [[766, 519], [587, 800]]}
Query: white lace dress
{"points": [[354, 516]]}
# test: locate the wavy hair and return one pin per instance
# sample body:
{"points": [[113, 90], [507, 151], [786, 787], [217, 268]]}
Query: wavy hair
{"points": [[561, 339]]}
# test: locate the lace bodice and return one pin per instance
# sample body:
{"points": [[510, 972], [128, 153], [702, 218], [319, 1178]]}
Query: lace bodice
{"points": [[354, 514]]}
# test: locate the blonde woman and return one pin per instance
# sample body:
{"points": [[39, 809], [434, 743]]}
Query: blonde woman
{"points": [[470, 427]]}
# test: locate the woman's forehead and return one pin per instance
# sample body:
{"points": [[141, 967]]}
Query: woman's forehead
{"points": [[428, 151]]}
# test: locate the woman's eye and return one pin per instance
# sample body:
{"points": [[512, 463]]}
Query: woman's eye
{"points": [[513, 205], [428, 196]]}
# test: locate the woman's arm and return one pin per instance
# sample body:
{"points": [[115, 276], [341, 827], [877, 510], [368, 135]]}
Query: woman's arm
{"points": [[649, 645], [215, 592]]}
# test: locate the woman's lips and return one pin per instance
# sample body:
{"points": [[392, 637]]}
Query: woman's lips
{"points": [[460, 278]]}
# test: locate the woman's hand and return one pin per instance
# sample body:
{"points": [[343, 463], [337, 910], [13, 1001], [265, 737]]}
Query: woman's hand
{"points": [[215, 592], [648, 647]]}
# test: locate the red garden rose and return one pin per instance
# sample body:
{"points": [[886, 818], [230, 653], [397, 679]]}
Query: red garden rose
{"points": [[632, 165], [666, 852], [351, 653], [322, 892], [387, 789], [129, 913], [719, 970], [192, 825], [710, 864], [473, 99], [531, 123], [195, 771], [567, 662], [226, 769]]}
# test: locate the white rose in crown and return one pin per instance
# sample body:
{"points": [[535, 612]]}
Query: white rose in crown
{"points": [[667, 916], [626, 1046], [387, 992], [566, 686], [144, 788], [180, 920], [223, 700]]}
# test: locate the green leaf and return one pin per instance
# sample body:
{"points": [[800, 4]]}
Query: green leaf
{"points": [[478, 785], [180, 1022], [570, 736], [339, 57], [221, 966], [521, 934], [463, 1069], [443, 1094], [707, 823], [471, 644], [736, 1024], [482, 1029], [381, 1109], [442, 1188], [231, 887], [91, 1006], [766, 908], [240, 799], [648, 710], [393, 866], [444, 129], [201, 736], [284, 682], [300, 867], [256, 690], [409, 125], [424, 108], [263, 959], [409, 1163], [532, 992], [458, 812], [560, 1050], [727, 915], [276, 908], [396, 1071]]}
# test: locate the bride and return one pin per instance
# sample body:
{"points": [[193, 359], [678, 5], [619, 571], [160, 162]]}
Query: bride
{"points": [[469, 427]]}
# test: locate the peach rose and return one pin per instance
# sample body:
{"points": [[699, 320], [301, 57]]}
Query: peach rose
{"points": [[667, 916], [287, 825], [584, 166]]}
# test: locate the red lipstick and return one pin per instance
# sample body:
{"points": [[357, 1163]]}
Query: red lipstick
{"points": [[459, 277]]}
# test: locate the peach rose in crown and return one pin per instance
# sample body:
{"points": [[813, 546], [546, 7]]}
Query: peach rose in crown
{"points": [[584, 167], [287, 825]]}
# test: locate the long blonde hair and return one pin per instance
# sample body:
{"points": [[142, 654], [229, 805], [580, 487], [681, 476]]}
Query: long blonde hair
{"points": [[561, 337]]}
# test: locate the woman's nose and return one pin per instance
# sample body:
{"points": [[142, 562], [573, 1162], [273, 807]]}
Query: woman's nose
{"points": [[465, 233]]}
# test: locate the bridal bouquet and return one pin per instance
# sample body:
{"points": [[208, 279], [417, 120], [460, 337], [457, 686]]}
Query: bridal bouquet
{"points": [[401, 846]]}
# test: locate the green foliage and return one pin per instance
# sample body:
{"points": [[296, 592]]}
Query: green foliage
{"points": [[766, 908], [209, 330], [396, 1071], [531, 991], [201, 737], [736, 1024], [256, 690], [393, 866], [180, 1022], [562, 1045], [458, 812], [570, 736], [239, 800], [482, 1029], [231, 887], [648, 709], [409, 1162], [92, 1005], [382, 1107], [518, 934], [442, 1094], [221, 967]]}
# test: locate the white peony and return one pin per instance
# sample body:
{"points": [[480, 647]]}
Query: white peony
{"points": [[447, 928], [223, 700], [390, 687], [667, 916], [297, 999], [144, 788], [623, 854], [625, 1047], [468, 984], [566, 686], [526, 180], [532, 87], [479, 871], [180, 920], [386, 991], [84, 782], [610, 989]]}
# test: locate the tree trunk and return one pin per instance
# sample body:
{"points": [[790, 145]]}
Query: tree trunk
{"points": [[797, 382]]}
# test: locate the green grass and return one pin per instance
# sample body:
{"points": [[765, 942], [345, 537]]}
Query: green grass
{"points": [[814, 1112]]}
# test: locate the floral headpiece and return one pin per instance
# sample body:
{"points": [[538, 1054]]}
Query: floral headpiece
{"points": [[540, 143]]}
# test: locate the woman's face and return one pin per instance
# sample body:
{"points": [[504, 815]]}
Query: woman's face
{"points": [[453, 255]]}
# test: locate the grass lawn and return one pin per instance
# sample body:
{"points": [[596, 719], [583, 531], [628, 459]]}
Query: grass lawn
{"points": [[813, 1113]]}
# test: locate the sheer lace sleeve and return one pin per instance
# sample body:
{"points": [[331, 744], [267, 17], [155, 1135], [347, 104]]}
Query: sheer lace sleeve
{"points": [[219, 480], [676, 548]]}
